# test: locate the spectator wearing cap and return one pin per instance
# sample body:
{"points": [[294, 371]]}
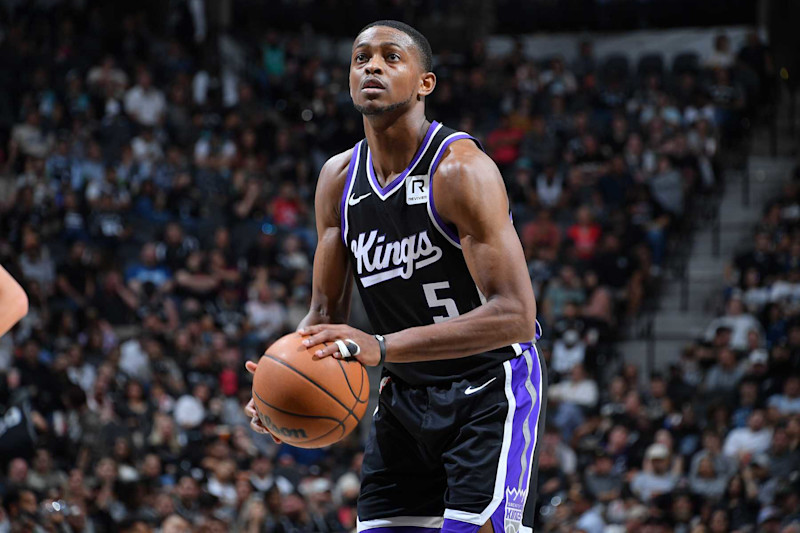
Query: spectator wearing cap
{"points": [[656, 476], [757, 361]]}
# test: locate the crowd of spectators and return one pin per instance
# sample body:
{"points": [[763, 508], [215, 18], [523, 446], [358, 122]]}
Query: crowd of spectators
{"points": [[156, 204]]}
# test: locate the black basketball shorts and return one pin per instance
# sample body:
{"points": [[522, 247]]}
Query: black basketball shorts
{"points": [[452, 457]]}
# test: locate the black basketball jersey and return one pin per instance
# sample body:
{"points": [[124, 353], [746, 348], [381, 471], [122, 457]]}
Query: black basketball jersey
{"points": [[408, 263]]}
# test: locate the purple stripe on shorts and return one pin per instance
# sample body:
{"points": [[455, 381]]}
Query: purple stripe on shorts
{"points": [[528, 409], [403, 529], [350, 172], [446, 227], [402, 176], [456, 526]]}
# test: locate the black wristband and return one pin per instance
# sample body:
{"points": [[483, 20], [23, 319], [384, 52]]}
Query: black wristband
{"points": [[382, 344]]}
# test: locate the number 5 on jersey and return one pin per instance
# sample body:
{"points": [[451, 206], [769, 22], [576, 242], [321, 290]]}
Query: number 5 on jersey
{"points": [[433, 301]]}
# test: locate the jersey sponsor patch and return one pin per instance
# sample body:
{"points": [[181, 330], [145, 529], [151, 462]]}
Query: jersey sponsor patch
{"points": [[417, 189], [378, 260]]}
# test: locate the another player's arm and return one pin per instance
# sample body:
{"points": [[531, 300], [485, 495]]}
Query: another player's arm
{"points": [[332, 282], [13, 302], [469, 192]]}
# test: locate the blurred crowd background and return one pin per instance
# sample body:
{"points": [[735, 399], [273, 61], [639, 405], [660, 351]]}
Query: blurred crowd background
{"points": [[156, 187]]}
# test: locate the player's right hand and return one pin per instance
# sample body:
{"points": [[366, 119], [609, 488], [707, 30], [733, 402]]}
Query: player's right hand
{"points": [[250, 409]]}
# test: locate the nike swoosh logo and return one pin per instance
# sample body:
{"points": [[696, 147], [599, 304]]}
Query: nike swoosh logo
{"points": [[473, 390], [354, 201]]}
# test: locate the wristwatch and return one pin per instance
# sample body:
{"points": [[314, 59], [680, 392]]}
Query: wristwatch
{"points": [[382, 344]]}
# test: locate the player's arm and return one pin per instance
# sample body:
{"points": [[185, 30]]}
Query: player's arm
{"points": [[13, 302], [332, 282], [469, 192]]}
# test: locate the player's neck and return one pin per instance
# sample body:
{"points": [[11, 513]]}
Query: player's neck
{"points": [[393, 142]]}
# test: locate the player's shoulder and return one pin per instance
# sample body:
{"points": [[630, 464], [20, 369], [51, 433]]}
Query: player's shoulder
{"points": [[333, 175], [464, 160], [335, 168]]}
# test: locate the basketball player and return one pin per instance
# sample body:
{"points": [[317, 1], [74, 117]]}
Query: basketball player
{"points": [[13, 302], [416, 215]]}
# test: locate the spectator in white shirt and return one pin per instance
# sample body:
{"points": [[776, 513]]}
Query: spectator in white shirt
{"points": [[656, 476], [787, 403], [753, 439], [722, 56], [739, 322], [265, 315], [579, 389], [144, 103], [570, 398]]}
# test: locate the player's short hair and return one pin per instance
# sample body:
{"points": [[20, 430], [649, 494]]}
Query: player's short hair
{"points": [[422, 44]]}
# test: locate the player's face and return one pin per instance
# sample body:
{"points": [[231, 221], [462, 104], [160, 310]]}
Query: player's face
{"points": [[385, 71]]}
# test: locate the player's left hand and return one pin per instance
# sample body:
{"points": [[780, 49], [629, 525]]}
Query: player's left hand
{"points": [[368, 350]]}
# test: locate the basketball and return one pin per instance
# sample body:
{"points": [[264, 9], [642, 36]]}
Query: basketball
{"points": [[305, 401]]}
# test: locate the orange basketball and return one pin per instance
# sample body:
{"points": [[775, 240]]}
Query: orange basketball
{"points": [[305, 401]]}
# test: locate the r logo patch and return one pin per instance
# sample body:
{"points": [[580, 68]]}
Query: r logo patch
{"points": [[417, 189]]}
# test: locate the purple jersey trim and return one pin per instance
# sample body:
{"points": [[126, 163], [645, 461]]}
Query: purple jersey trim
{"points": [[402, 176], [446, 227], [346, 191]]}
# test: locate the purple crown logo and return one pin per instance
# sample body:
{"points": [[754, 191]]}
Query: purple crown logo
{"points": [[515, 505]]}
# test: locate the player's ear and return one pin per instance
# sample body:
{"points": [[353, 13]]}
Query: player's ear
{"points": [[426, 84]]}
